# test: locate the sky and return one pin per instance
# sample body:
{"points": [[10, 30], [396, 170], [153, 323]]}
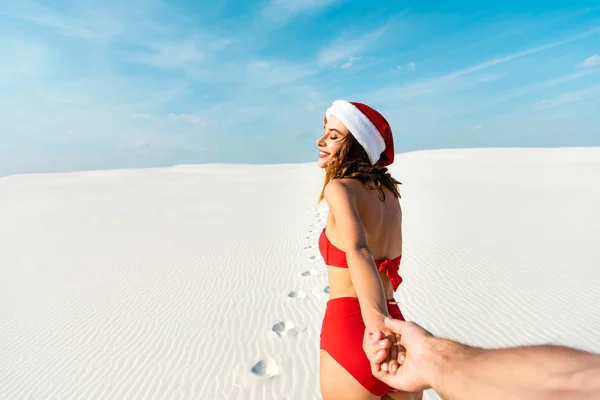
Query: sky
{"points": [[112, 84]]}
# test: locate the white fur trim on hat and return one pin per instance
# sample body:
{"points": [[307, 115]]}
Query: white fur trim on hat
{"points": [[361, 127]]}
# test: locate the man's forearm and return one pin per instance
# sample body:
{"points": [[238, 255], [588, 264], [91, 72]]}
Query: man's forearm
{"points": [[531, 372]]}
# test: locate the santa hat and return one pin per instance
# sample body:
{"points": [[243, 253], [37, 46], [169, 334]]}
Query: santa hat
{"points": [[368, 127]]}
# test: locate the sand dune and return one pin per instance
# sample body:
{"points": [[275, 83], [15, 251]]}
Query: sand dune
{"points": [[206, 281]]}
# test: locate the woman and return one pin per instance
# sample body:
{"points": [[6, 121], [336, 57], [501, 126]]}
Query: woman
{"points": [[362, 247]]}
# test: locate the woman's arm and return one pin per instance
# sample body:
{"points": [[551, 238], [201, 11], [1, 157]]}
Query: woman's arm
{"points": [[361, 265]]}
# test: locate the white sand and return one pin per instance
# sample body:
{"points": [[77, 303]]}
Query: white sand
{"points": [[176, 282]]}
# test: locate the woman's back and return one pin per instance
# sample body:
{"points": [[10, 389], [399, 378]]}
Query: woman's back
{"points": [[382, 221]]}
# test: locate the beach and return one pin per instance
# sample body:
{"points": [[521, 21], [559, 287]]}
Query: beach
{"points": [[205, 281]]}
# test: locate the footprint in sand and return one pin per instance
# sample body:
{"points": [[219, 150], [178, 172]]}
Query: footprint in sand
{"points": [[310, 273], [308, 247], [267, 368], [286, 328], [313, 257], [322, 293], [297, 294]]}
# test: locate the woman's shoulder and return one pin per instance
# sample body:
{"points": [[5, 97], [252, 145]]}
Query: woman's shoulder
{"points": [[340, 189], [345, 186]]}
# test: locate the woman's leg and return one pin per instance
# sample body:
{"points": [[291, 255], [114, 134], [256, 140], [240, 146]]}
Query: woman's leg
{"points": [[337, 383], [403, 396]]}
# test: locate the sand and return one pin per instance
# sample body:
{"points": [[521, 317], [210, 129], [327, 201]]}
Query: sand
{"points": [[205, 281]]}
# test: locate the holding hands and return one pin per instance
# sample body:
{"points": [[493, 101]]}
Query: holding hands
{"points": [[400, 359]]}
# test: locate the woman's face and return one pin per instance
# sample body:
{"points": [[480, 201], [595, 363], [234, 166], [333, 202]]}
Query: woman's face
{"points": [[331, 141]]}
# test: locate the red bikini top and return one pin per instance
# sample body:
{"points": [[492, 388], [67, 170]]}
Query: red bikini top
{"points": [[337, 258]]}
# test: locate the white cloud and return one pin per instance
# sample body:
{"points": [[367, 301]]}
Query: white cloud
{"points": [[589, 93], [486, 78], [141, 115], [592, 61], [450, 81], [283, 10], [524, 90], [476, 127], [27, 59], [411, 66], [350, 62], [87, 23], [67, 27], [345, 46], [182, 55], [191, 118], [258, 65], [153, 34], [500, 60], [219, 44], [263, 73]]}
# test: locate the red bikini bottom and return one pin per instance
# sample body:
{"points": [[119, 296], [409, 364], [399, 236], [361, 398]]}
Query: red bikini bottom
{"points": [[342, 336]]}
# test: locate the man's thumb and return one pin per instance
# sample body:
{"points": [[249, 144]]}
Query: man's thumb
{"points": [[395, 325]]}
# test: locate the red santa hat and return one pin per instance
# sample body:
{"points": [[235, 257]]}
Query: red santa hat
{"points": [[368, 127]]}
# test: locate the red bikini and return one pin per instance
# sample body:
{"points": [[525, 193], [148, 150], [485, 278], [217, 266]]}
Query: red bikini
{"points": [[343, 329]]}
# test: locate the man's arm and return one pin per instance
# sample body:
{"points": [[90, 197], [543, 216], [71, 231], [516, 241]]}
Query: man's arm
{"points": [[531, 372], [457, 371]]}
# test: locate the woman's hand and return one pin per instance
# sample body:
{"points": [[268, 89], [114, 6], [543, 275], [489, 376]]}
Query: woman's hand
{"points": [[375, 325]]}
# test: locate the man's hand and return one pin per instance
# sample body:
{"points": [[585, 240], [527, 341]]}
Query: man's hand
{"points": [[413, 351], [458, 371]]}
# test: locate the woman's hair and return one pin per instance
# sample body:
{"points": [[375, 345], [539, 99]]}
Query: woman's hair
{"points": [[352, 162]]}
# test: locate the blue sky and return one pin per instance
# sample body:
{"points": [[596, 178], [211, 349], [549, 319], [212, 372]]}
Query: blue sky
{"points": [[112, 84]]}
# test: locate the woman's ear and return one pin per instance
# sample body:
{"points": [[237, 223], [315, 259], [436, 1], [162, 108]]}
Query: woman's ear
{"points": [[324, 120]]}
